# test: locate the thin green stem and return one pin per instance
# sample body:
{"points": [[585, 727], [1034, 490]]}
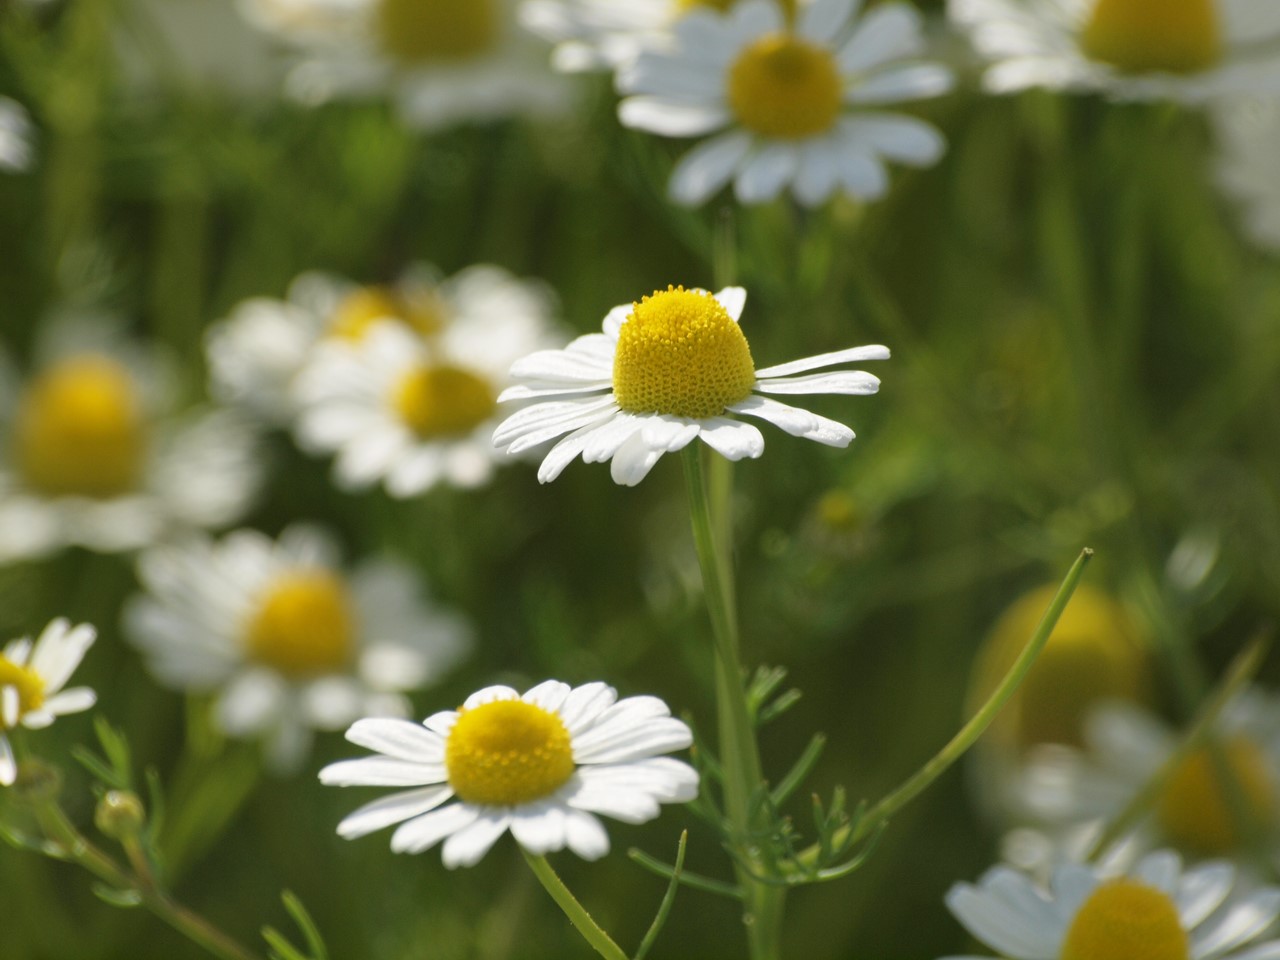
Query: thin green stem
{"points": [[968, 734], [668, 899], [739, 754], [591, 931], [80, 851]]}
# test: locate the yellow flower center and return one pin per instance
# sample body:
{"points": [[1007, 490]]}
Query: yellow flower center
{"points": [[786, 87], [29, 685], [442, 401], [680, 353], [1197, 810], [419, 31], [506, 753], [1126, 920], [724, 6], [80, 430], [360, 310], [1095, 653], [1174, 36], [304, 624]]}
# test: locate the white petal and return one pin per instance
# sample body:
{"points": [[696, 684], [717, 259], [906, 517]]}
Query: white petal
{"points": [[251, 702], [58, 652], [822, 20], [393, 809], [854, 383], [10, 706], [424, 832], [664, 778], [766, 172], [550, 695], [916, 82], [852, 355], [585, 704], [568, 366], [1161, 870], [74, 700], [818, 172], [586, 835], [401, 739], [705, 169], [1263, 951], [568, 449], [467, 845], [8, 768], [732, 439], [1239, 923], [540, 828], [659, 435], [734, 301], [996, 923], [489, 695], [889, 32], [797, 422], [861, 173], [1202, 891], [382, 772], [670, 118], [904, 139]]}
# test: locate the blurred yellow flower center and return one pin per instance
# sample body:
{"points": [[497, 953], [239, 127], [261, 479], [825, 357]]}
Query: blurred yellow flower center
{"points": [[1199, 813], [80, 430], [724, 6], [680, 353], [360, 310], [786, 87], [419, 31], [27, 682], [1126, 920], [1173, 36], [441, 401], [506, 753], [304, 624]]}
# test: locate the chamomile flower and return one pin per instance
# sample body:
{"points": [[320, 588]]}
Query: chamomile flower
{"points": [[541, 765], [1188, 51], [288, 639], [444, 63], [16, 150], [666, 371], [93, 453], [600, 34], [1249, 143], [790, 104], [1124, 745], [32, 678], [1155, 911], [412, 411], [255, 353]]}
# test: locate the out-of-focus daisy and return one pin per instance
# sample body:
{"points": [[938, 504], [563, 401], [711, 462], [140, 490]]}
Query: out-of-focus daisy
{"points": [[540, 765], [93, 454], [16, 150], [256, 352], [599, 34], [32, 680], [666, 371], [412, 410], [1124, 746], [789, 104], [1248, 148], [1156, 911], [289, 639], [445, 62], [1184, 50]]}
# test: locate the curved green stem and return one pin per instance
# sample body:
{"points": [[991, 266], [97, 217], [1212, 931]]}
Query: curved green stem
{"points": [[591, 931]]}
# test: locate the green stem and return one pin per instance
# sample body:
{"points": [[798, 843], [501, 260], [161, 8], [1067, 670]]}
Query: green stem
{"points": [[600, 941], [191, 925], [971, 731], [739, 754]]}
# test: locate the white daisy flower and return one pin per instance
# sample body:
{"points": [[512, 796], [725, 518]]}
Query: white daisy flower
{"points": [[668, 370], [16, 135], [255, 353], [1155, 911], [444, 63], [540, 765], [290, 640], [1249, 143], [606, 34], [32, 680], [414, 411], [790, 104], [93, 454], [1124, 745], [1189, 51]]}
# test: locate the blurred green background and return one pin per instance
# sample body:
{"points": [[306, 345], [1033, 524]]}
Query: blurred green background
{"points": [[1085, 353]]}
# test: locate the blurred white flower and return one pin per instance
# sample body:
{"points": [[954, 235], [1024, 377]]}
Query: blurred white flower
{"points": [[1249, 165], [289, 639], [413, 410], [444, 63], [32, 680], [16, 137], [93, 452], [1189, 51], [1064, 788], [255, 353], [540, 764], [790, 105], [666, 371], [1155, 911]]}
